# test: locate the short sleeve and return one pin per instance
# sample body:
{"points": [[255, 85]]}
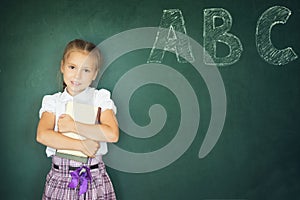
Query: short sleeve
{"points": [[48, 104], [103, 100]]}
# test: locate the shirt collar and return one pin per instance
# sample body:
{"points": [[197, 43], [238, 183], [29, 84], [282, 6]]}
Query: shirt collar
{"points": [[65, 96]]}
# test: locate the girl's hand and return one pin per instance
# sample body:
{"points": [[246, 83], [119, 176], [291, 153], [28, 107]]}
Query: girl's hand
{"points": [[66, 124], [90, 147]]}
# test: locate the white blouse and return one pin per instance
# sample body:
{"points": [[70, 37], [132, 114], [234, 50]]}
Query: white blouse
{"points": [[56, 104]]}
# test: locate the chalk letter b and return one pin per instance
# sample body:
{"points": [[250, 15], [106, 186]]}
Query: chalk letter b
{"points": [[213, 34]]}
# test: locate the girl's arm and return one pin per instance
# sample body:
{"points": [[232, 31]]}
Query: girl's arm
{"points": [[48, 137], [107, 131]]}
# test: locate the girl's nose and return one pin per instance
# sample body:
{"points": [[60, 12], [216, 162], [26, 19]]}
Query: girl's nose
{"points": [[78, 74]]}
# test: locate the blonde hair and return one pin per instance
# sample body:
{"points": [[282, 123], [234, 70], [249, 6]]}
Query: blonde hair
{"points": [[85, 47]]}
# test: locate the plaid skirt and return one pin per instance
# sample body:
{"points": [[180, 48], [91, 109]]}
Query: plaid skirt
{"points": [[59, 177]]}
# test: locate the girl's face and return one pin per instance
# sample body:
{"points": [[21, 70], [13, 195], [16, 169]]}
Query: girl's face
{"points": [[79, 70]]}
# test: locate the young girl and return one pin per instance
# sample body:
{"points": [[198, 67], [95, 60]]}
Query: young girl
{"points": [[70, 179]]}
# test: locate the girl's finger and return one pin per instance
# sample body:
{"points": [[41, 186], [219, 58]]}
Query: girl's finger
{"points": [[62, 116]]}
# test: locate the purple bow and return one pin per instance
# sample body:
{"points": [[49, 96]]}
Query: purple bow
{"points": [[81, 176]]}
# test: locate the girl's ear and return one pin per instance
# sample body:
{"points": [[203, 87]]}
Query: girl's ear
{"points": [[62, 66]]}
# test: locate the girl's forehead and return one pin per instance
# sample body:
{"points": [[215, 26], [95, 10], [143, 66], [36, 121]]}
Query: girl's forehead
{"points": [[81, 58]]}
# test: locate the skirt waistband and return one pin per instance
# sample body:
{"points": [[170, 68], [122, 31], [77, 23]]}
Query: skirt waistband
{"points": [[75, 168], [63, 161], [64, 166]]}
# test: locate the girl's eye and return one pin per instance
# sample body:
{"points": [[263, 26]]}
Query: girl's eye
{"points": [[86, 70], [71, 67]]}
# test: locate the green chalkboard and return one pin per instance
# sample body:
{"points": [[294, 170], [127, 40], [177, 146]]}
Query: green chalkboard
{"points": [[213, 127]]}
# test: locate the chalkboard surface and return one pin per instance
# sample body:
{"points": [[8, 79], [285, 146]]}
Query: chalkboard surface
{"points": [[207, 94]]}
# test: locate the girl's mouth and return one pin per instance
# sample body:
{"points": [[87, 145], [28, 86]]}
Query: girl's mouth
{"points": [[75, 83]]}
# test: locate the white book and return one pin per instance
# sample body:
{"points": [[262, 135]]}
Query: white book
{"points": [[81, 113]]}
